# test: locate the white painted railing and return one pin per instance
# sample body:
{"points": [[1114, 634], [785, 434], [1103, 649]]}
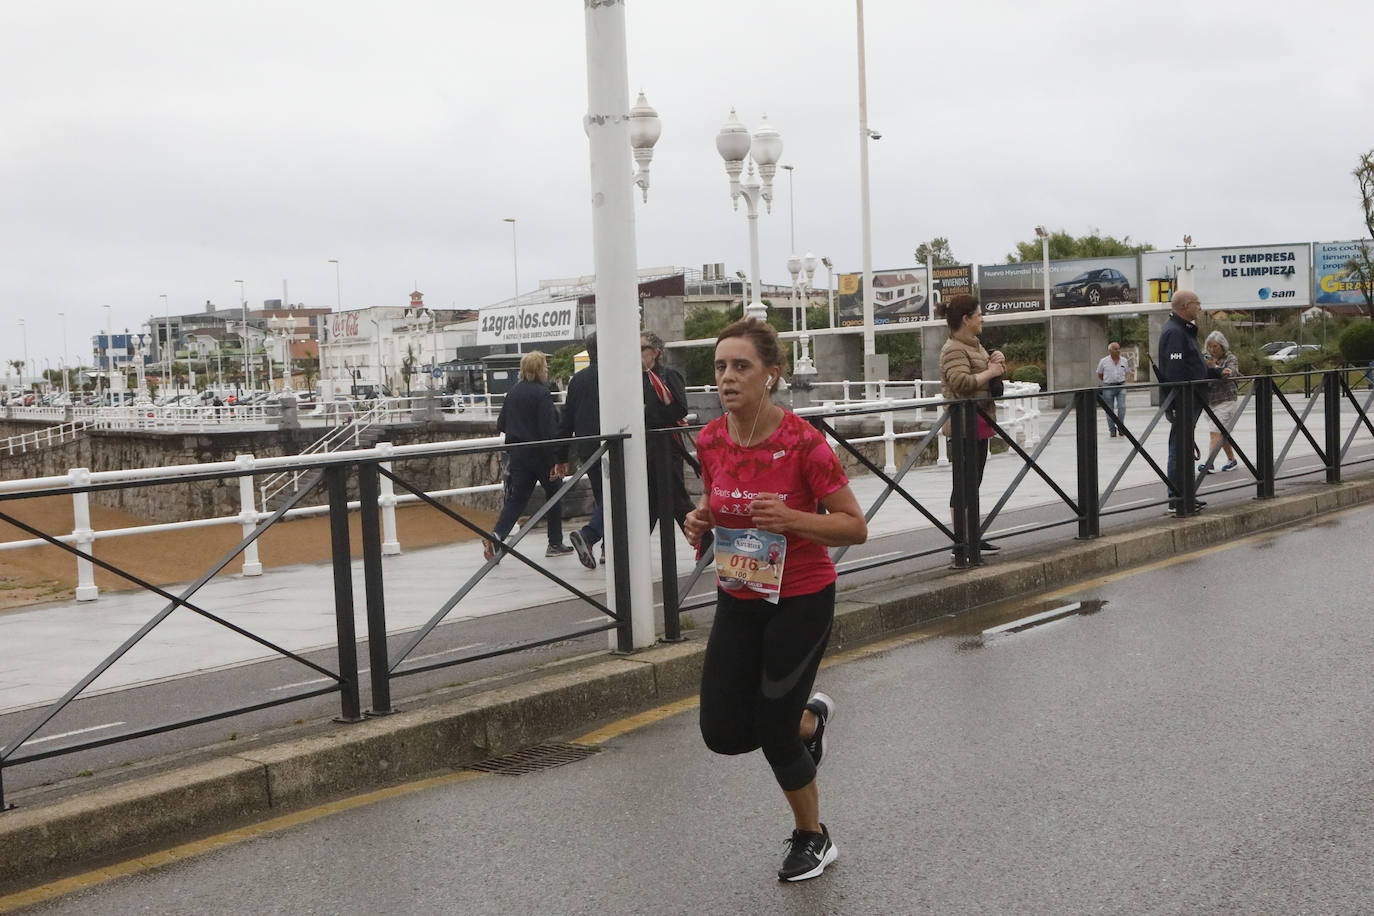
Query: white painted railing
{"points": [[83, 536]]}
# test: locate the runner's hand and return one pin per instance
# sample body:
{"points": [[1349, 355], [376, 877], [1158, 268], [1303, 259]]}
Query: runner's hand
{"points": [[696, 524], [770, 513]]}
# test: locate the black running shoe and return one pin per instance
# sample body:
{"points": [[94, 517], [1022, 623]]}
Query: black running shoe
{"points": [[584, 550], [807, 855], [988, 547], [823, 708], [557, 550]]}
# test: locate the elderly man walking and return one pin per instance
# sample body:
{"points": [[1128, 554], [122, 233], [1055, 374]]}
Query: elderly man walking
{"points": [[1180, 362], [1112, 371]]}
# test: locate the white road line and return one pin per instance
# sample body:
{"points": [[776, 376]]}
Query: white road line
{"points": [[79, 731], [362, 671]]}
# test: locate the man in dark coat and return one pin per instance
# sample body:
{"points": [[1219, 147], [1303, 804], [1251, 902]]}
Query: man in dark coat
{"points": [[1180, 361], [582, 417]]}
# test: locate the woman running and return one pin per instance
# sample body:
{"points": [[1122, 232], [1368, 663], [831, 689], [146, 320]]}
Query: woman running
{"points": [[765, 474]]}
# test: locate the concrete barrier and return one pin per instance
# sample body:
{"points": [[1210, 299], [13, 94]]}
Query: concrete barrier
{"points": [[41, 842]]}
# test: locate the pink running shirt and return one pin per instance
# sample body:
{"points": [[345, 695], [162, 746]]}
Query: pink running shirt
{"points": [[796, 463]]}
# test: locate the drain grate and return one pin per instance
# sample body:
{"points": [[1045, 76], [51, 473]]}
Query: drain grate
{"points": [[531, 759]]}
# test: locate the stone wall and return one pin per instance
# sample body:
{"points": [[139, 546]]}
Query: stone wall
{"points": [[109, 450]]}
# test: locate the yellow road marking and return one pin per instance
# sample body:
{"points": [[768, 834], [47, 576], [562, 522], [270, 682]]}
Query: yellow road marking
{"points": [[595, 738], [219, 841]]}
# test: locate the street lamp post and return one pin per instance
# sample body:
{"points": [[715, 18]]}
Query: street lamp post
{"points": [[247, 340], [515, 269], [865, 134], [338, 310], [167, 339], [830, 286], [109, 356], [805, 368], [1049, 322], [66, 382], [284, 330], [24, 332], [734, 144]]}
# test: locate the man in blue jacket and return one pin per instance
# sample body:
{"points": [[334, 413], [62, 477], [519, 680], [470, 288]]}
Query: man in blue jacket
{"points": [[1180, 360]]}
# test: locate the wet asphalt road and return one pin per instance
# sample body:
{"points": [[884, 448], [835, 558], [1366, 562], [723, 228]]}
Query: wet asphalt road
{"points": [[1199, 743]]}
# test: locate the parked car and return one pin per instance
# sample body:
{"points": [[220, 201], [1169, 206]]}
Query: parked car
{"points": [[1288, 353], [1275, 346], [1093, 287]]}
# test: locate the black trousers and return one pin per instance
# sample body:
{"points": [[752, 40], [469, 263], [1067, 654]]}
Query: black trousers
{"points": [[760, 665]]}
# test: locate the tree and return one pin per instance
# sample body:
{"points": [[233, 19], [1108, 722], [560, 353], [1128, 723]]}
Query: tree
{"points": [[562, 364], [1064, 246], [937, 251], [697, 364], [1361, 267]]}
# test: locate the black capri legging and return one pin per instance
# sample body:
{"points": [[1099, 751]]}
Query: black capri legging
{"points": [[982, 449], [760, 665]]}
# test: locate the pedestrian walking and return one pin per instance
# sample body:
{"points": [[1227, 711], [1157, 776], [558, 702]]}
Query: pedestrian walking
{"points": [[529, 415], [1222, 399], [582, 417], [1180, 362], [767, 474], [1112, 372]]}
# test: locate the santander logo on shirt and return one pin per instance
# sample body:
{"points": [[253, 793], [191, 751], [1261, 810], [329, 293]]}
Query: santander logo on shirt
{"points": [[738, 500]]}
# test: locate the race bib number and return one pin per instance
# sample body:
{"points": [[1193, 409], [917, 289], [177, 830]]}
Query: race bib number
{"points": [[748, 558]]}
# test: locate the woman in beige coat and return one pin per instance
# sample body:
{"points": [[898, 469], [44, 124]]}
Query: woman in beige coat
{"points": [[965, 371]]}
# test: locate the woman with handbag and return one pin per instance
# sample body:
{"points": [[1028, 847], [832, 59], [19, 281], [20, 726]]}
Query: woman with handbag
{"points": [[968, 371]]}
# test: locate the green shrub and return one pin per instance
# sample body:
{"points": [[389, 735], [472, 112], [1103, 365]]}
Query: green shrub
{"points": [[1357, 343], [1030, 374]]}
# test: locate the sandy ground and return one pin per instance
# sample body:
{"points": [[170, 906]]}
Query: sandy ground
{"points": [[35, 575]]}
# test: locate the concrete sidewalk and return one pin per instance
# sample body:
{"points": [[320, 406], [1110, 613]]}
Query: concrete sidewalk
{"points": [[51, 647]]}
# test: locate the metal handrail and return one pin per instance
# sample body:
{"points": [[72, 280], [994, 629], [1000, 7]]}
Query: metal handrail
{"points": [[334, 469]]}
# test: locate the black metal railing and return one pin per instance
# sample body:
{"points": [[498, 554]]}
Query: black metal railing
{"points": [[335, 473], [1087, 501]]}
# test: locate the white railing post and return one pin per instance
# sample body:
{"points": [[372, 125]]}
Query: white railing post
{"points": [[889, 444], [387, 500], [85, 537], [248, 516], [944, 449], [845, 399]]}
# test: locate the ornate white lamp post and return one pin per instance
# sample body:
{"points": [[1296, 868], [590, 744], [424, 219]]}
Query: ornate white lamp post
{"points": [[141, 350], [734, 144], [805, 370], [284, 330]]}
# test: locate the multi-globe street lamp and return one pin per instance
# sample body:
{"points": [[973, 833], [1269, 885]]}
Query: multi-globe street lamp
{"points": [[734, 144], [803, 272], [284, 330]]}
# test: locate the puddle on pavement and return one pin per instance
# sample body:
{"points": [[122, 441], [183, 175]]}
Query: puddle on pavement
{"points": [[1005, 620]]}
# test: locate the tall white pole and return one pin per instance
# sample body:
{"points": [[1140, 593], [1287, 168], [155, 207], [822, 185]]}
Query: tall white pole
{"points": [[515, 268], [167, 339], [66, 366], [24, 331], [334, 325], [1049, 319], [863, 199], [109, 355], [617, 296], [247, 340]]}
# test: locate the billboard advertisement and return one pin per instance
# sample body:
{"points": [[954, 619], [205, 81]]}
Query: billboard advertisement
{"points": [[1076, 283], [899, 296], [536, 321], [1251, 277], [1332, 283]]}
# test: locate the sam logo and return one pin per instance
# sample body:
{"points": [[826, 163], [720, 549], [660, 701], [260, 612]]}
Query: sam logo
{"points": [[1266, 293]]}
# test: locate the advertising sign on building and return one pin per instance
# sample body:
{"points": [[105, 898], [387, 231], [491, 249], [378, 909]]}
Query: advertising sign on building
{"points": [[536, 321], [1253, 277], [899, 296], [1074, 283], [1333, 282]]}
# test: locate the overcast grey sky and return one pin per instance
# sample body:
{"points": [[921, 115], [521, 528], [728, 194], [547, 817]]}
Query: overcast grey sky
{"points": [[175, 146]]}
